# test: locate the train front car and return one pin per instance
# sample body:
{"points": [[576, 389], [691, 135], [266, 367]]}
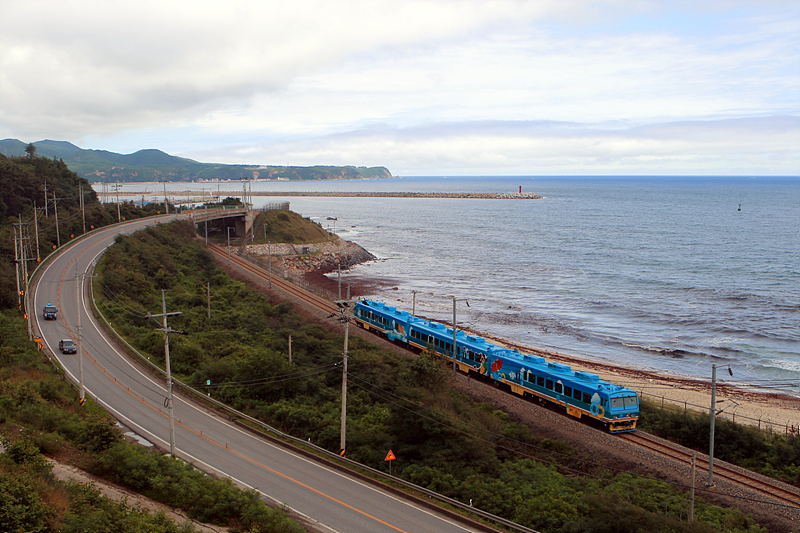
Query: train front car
{"points": [[580, 394], [623, 409]]}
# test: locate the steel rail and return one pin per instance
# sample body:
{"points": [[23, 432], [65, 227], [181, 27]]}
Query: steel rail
{"points": [[785, 495]]}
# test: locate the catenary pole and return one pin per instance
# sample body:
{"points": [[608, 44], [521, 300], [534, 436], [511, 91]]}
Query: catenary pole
{"points": [[713, 415], [80, 351], [55, 208]]}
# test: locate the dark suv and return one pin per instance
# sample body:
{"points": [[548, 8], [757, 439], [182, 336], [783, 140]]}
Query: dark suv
{"points": [[50, 312], [67, 346]]}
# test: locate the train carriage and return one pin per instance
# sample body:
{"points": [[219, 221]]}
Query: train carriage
{"points": [[581, 394]]}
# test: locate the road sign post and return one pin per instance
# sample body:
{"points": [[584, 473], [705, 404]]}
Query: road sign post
{"points": [[390, 457]]}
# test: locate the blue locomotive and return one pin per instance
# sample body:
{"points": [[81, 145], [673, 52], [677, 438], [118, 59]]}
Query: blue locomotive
{"points": [[581, 394]]}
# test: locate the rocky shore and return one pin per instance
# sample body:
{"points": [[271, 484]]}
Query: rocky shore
{"points": [[310, 262]]}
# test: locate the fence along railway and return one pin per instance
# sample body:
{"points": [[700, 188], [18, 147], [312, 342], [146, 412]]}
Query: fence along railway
{"points": [[781, 496], [769, 491]]}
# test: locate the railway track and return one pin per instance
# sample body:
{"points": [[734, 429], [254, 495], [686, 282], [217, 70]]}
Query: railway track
{"points": [[308, 297], [781, 493], [769, 490]]}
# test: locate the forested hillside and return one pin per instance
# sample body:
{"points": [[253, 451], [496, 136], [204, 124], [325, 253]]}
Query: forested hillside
{"points": [[44, 202], [155, 165]]}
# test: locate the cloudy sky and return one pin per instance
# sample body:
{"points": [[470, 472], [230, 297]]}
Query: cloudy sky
{"points": [[423, 87]]}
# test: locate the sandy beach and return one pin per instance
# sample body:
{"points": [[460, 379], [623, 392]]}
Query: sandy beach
{"points": [[776, 410]]}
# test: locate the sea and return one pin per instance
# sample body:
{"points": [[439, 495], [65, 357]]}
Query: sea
{"points": [[671, 274]]}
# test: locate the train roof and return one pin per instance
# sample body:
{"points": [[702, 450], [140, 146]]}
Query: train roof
{"points": [[386, 309]]}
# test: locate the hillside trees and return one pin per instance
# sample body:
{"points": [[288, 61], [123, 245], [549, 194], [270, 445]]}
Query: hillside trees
{"points": [[32, 189]]}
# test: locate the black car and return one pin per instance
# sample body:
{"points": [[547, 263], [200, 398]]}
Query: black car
{"points": [[67, 346], [50, 312]]}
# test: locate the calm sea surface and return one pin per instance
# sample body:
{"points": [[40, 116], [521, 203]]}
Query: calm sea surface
{"points": [[663, 273]]}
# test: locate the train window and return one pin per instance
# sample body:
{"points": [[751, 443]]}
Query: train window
{"points": [[548, 384], [540, 381], [576, 394], [559, 388], [631, 401], [587, 398], [617, 403], [567, 391]]}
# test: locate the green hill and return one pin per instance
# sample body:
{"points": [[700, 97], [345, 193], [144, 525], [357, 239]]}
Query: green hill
{"points": [[155, 165]]}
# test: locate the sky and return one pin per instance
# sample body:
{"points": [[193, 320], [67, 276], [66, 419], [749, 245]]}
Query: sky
{"points": [[422, 87]]}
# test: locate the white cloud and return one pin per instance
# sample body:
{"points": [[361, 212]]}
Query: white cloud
{"points": [[199, 77], [755, 146]]}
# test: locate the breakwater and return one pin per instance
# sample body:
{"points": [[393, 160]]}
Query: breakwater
{"points": [[324, 194]]}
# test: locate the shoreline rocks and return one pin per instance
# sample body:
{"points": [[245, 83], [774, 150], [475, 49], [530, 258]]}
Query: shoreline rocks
{"points": [[321, 257]]}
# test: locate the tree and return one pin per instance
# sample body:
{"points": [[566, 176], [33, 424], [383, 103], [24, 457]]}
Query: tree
{"points": [[31, 150]]}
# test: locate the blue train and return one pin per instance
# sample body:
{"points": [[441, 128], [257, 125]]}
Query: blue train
{"points": [[581, 394]]}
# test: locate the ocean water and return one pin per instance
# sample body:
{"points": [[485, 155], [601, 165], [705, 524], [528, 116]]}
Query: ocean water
{"points": [[665, 273]]}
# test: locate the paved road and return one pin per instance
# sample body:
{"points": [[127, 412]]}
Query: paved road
{"points": [[334, 501]]}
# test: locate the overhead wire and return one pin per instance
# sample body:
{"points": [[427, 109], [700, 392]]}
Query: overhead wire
{"points": [[532, 446]]}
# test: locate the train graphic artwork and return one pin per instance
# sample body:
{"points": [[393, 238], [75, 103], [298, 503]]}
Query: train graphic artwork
{"points": [[580, 394]]}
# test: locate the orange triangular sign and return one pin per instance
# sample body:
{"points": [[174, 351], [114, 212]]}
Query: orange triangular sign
{"points": [[390, 456]]}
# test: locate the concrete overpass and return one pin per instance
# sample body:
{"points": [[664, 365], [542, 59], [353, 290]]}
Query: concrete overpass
{"points": [[243, 216]]}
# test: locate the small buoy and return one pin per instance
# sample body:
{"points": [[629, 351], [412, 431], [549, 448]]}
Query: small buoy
{"points": [[740, 207]]}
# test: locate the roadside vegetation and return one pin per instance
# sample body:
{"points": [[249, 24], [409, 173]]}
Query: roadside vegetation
{"points": [[443, 440], [772, 454]]}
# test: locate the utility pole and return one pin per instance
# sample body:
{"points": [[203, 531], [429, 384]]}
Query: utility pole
{"points": [[116, 188], [21, 270], [229, 243], [36, 226], [45, 200], [22, 247], [414, 303], [455, 365], [713, 415], [691, 494], [83, 209], [78, 280], [269, 251], [55, 207], [290, 349], [16, 265], [208, 289], [344, 306], [166, 204], [167, 330]]}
